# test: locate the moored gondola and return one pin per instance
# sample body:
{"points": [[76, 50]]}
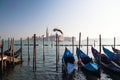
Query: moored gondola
{"points": [[106, 63], [116, 50], [16, 53], [68, 66], [87, 63], [112, 56]]}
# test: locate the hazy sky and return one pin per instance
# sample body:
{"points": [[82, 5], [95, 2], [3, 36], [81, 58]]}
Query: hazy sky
{"points": [[23, 18]]}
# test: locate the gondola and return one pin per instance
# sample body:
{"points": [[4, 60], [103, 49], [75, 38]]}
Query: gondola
{"points": [[112, 56], [16, 53], [7, 52], [87, 63], [106, 64], [68, 68], [116, 50]]}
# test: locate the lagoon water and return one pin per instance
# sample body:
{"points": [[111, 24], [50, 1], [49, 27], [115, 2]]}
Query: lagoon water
{"points": [[46, 70]]}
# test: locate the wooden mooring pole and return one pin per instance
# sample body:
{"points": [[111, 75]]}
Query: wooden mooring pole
{"points": [[34, 54], [100, 48], [114, 42], [43, 49], [56, 52], [100, 51], [94, 43], [87, 44], [21, 51], [2, 54], [79, 48], [13, 51], [79, 39], [28, 50], [73, 45], [8, 43], [58, 41]]}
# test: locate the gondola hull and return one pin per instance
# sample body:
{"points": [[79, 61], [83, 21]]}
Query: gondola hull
{"points": [[68, 58], [112, 56], [87, 64], [16, 53], [105, 62]]}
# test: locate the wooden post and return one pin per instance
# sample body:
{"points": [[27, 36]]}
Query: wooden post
{"points": [[58, 46], [114, 42], [56, 52], [79, 60], [8, 43], [33, 58], [100, 47], [79, 39], [43, 49], [34, 54], [21, 47], [28, 50], [13, 51], [2, 54], [94, 43], [73, 45], [87, 45], [100, 52]]}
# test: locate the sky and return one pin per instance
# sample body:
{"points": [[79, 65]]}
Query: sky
{"points": [[23, 18]]}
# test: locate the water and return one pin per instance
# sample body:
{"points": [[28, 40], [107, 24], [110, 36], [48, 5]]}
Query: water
{"points": [[46, 70]]}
